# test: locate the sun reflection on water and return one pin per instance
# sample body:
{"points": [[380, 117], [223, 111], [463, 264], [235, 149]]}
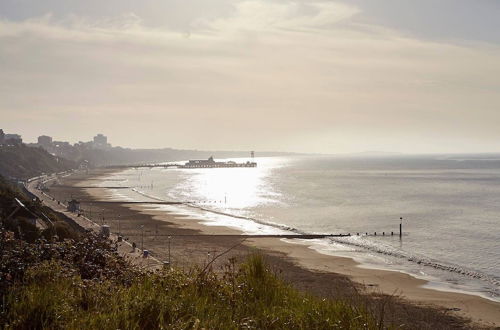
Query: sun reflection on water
{"points": [[229, 188]]}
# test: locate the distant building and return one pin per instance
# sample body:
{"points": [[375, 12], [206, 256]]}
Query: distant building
{"points": [[100, 139], [2, 136], [201, 162], [13, 139], [101, 142], [45, 141]]}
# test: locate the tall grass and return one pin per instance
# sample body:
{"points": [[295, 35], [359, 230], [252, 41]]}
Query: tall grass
{"points": [[248, 296]]}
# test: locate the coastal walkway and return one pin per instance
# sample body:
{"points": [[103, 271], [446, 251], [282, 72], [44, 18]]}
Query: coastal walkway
{"points": [[125, 249]]}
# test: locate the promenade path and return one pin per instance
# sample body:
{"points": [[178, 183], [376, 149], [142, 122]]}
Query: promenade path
{"points": [[135, 256]]}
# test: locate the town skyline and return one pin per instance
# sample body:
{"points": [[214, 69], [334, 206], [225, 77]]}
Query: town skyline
{"points": [[100, 142]]}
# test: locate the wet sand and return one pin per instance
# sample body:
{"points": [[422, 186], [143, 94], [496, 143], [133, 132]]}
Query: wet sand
{"points": [[320, 274]]}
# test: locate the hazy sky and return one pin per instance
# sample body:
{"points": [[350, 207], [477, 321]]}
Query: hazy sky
{"points": [[319, 76]]}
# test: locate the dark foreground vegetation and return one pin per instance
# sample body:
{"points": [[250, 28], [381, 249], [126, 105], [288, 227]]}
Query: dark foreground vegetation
{"points": [[88, 286]]}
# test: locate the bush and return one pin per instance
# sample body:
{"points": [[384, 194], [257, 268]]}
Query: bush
{"points": [[64, 231]]}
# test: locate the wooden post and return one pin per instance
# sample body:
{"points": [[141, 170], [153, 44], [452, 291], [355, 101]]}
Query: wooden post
{"points": [[169, 261]]}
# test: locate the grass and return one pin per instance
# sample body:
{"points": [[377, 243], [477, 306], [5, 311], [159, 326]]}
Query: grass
{"points": [[249, 296]]}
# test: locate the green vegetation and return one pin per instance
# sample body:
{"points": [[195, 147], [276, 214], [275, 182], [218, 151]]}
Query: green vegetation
{"points": [[23, 162]]}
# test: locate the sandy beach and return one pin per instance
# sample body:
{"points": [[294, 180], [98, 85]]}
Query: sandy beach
{"points": [[305, 268]]}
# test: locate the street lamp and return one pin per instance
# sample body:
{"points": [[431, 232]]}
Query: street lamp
{"points": [[142, 237]]}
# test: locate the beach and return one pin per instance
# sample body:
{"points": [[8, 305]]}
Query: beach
{"points": [[184, 243]]}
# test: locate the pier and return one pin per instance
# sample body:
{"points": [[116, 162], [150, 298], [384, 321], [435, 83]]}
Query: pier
{"points": [[192, 164], [144, 166]]}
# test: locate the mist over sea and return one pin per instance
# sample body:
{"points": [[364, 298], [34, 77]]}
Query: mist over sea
{"points": [[450, 207]]}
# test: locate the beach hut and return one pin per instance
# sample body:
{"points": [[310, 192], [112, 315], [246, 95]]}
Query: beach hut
{"points": [[105, 231]]}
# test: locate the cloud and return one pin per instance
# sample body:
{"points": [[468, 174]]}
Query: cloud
{"points": [[266, 16], [270, 75]]}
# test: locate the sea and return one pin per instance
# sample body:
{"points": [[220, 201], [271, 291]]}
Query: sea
{"points": [[449, 208]]}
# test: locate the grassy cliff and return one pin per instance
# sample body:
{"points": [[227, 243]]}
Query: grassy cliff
{"points": [[22, 162]]}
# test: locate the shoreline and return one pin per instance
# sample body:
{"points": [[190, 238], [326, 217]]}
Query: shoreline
{"points": [[372, 281], [432, 283]]}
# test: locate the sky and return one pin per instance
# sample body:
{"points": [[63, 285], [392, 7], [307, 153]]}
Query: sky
{"points": [[305, 76]]}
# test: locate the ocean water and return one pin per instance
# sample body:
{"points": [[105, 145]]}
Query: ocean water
{"points": [[450, 209]]}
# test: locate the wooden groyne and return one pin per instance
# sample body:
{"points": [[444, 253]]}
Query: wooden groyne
{"points": [[290, 236], [90, 187], [129, 202]]}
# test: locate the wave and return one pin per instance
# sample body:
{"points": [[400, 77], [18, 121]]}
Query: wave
{"points": [[420, 260]]}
